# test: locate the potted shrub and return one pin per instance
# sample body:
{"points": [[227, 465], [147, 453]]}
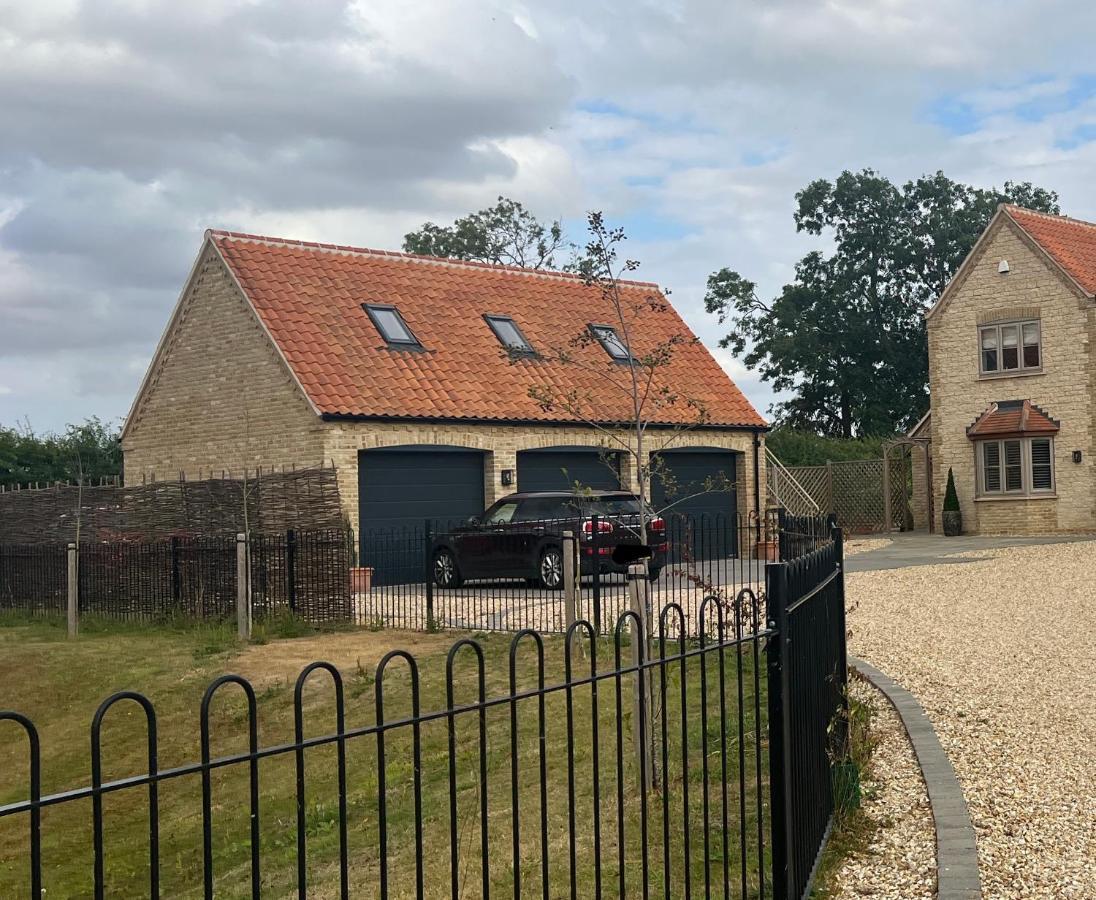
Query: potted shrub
{"points": [[952, 516]]}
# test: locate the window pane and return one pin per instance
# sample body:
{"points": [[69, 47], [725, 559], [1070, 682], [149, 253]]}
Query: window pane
{"points": [[392, 327], [989, 349], [503, 514], [540, 509], [1014, 480], [612, 343], [1042, 477], [510, 335], [1031, 345], [1010, 353], [991, 467]]}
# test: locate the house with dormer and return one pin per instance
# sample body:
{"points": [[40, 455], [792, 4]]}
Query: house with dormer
{"points": [[1013, 380]]}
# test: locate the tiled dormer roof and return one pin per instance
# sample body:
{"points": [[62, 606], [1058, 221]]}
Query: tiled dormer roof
{"points": [[1071, 243], [309, 298], [1012, 418]]}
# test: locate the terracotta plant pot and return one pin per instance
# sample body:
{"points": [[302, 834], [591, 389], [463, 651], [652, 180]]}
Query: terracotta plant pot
{"points": [[953, 523], [767, 550], [361, 579]]}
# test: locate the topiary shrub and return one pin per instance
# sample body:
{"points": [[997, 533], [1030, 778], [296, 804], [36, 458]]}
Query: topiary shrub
{"points": [[953, 518]]}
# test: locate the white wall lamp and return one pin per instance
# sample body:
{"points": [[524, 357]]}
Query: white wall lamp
{"points": [[1002, 267]]}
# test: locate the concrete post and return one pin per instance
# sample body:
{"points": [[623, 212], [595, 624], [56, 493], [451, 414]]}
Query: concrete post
{"points": [[643, 706], [570, 579], [243, 590], [73, 590]]}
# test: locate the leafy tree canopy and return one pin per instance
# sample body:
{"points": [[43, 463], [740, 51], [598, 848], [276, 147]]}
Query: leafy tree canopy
{"points": [[507, 233], [847, 337], [91, 449]]}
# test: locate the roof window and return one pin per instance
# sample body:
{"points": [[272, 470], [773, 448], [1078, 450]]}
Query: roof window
{"points": [[509, 335], [391, 325], [610, 340]]}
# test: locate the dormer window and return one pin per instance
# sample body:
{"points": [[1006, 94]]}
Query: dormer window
{"points": [[1010, 347], [392, 327], [610, 340], [509, 335]]}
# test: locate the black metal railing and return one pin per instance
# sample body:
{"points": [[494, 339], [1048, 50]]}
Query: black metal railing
{"points": [[303, 573], [807, 681], [540, 766], [33, 578], [694, 557]]}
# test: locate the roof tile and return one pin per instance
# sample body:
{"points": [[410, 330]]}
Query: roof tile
{"points": [[1070, 242], [310, 296]]}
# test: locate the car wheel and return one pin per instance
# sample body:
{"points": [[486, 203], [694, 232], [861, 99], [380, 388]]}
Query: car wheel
{"points": [[551, 568], [446, 573]]}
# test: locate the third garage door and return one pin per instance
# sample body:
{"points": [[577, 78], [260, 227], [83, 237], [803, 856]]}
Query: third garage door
{"points": [[701, 499]]}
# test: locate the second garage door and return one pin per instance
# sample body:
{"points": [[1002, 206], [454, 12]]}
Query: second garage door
{"points": [[558, 468], [708, 515]]}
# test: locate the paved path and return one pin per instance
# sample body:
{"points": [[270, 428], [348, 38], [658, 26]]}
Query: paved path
{"points": [[918, 548]]}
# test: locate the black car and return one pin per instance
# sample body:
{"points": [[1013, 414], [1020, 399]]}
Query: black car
{"points": [[520, 537]]}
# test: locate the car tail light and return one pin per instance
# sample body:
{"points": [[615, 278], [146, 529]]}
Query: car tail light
{"points": [[658, 524], [603, 527]]}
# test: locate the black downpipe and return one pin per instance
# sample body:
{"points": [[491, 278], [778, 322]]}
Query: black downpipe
{"points": [[757, 479]]}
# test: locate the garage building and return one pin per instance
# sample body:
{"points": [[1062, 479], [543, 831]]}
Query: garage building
{"points": [[421, 380]]}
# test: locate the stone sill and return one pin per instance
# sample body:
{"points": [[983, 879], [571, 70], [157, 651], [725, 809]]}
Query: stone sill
{"points": [[1023, 373], [1015, 497]]}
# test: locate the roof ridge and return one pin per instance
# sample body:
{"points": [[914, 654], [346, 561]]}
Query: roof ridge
{"points": [[412, 257], [1054, 217]]}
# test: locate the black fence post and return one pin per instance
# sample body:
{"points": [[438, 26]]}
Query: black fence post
{"points": [[291, 568], [843, 653], [776, 590], [783, 552], [595, 550], [428, 571]]}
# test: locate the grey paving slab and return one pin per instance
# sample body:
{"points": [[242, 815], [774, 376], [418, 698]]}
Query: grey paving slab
{"points": [[957, 876], [918, 548]]}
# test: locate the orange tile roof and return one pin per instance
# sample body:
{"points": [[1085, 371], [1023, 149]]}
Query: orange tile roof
{"points": [[1012, 418], [309, 296], [1070, 242]]}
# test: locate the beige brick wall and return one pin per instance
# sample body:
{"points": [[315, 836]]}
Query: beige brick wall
{"points": [[502, 443], [1064, 389], [919, 501], [221, 398]]}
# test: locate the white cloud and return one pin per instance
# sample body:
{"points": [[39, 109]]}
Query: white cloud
{"points": [[131, 126]]}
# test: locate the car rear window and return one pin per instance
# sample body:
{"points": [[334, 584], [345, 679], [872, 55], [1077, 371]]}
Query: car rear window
{"points": [[613, 506]]}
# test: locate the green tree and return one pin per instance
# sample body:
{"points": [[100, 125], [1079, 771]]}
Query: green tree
{"points": [[506, 233], [846, 339], [86, 452]]}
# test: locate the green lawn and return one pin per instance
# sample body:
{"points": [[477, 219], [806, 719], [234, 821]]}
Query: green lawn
{"points": [[59, 684]]}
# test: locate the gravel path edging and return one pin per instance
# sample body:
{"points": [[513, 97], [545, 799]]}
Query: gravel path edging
{"points": [[957, 875]]}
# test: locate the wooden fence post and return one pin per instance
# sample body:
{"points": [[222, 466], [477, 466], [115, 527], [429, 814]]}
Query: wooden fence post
{"points": [[73, 590], [643, 708], [829, 487], [888, 512], [243, 590], [570, 579]]}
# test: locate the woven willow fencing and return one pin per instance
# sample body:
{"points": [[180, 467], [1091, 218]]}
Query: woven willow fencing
{"points": [[858, 492], [265, 503]]}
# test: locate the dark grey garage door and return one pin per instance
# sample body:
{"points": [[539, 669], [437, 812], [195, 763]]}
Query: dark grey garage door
{"points": [[706, 517], [398, 490], [558, 468]]}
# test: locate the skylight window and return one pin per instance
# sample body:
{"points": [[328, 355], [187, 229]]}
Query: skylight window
{"points": [[611, 341], [509, 335], [391, 325]]}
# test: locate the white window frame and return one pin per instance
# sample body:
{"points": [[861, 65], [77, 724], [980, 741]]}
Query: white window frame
{"points": [[1027, 478], [1021, 369]]}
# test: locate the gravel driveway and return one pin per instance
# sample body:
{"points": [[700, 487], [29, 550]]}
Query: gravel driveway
{"points": [[1001, 652]]}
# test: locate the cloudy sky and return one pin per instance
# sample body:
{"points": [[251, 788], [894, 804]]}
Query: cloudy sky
{"points": [[126, 128]]}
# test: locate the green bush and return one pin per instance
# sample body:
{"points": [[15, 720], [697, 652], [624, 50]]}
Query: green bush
{"points": [[795, 447], [951, 499]]}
